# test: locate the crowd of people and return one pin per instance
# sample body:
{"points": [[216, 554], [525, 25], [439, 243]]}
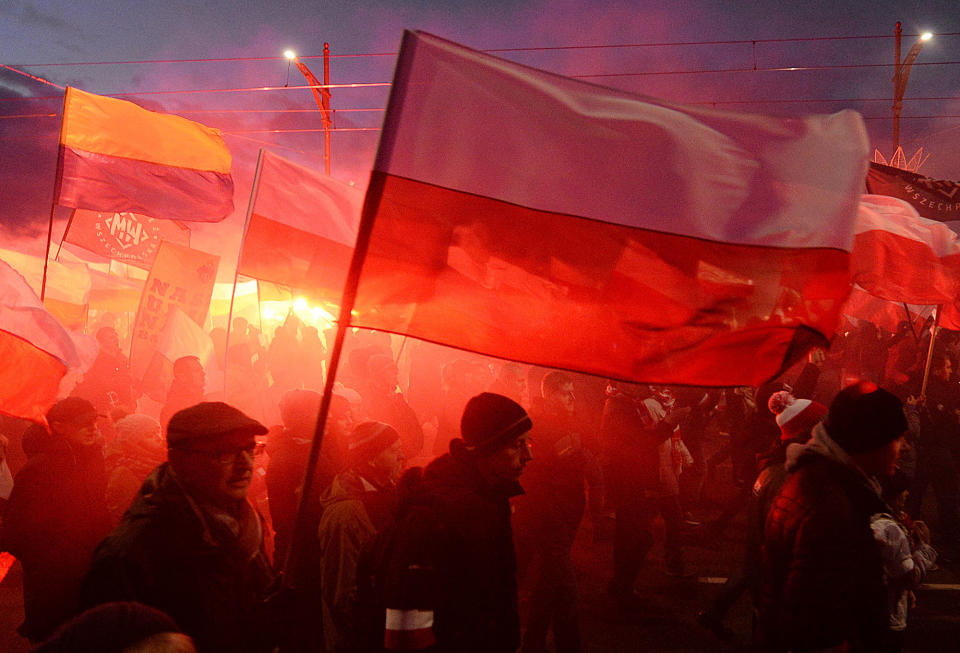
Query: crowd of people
{"points": [[449, 485]]}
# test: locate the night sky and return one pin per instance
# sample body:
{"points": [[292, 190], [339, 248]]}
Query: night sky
{"points": [[53, 32]]}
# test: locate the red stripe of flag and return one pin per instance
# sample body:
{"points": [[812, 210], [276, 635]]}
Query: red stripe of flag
{"points": [[595, 230], [102, 182]]}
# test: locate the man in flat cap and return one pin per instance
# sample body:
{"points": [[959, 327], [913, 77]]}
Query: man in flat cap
{"points": [[821, 585], [450, 577], [191, 544]]}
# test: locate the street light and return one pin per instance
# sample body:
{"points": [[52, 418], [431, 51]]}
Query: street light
{"points": [[900, 76], [321, 93], [291, 56]]}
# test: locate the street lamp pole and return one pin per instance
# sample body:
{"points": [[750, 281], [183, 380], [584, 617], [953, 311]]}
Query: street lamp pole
{"points": [[901, 75], [321, 93]]}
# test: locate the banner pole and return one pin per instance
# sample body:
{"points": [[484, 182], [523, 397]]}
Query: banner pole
{"points": [[933, 339], [254, 189], [58, 179], [371, 205]]}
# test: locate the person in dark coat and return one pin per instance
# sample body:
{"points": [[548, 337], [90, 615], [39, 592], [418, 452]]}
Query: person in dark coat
{"points": [[631, 435], [548, 517], [360, 502], [821, 579], [191, 544], [119, 628], [451, 574], [186, 389], [56, 516]]}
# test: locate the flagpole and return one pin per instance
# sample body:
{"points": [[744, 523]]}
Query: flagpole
{"points": [[933, 339], [370, 207], [236, 272], [910, 322], [56, 193], [64, 237]]}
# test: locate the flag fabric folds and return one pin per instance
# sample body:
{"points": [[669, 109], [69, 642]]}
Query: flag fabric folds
{"points": [[934, 199], [884, 313], [902, 257], [302, 229], [35, 349], [537, 218], [181, 336], [117, 157], [68, 285], [125, 237]]}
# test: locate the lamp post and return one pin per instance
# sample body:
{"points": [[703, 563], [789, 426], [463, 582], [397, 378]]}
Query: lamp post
{"points": [[901, 75], [321, 93]]}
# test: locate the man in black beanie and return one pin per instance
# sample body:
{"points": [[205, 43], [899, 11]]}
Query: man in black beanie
{"points": [[822, 582], [450, 577]]}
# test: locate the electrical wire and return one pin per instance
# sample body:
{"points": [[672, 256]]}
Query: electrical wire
{"points": [[598, 46]]}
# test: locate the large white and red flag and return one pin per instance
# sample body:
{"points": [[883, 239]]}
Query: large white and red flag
{"points": [[302, 229], [35, 349], [537, 218], [900, 256]]}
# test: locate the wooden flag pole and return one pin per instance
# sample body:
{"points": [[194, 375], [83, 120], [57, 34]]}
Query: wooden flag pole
{"points": [[236, 273], [933, 339], [292, 566]]}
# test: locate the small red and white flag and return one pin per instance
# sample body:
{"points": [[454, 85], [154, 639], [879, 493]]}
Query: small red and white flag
{"points": [[537, 218], [35, 349], [902, 257], [302, 229]]}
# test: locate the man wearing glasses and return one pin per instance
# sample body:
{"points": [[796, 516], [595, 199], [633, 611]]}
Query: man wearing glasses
{"points": [[191, 544]]}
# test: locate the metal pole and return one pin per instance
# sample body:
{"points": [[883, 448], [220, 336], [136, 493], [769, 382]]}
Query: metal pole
{"points": [[325, 94], [371, 205], [56, 193], [897, 91], [236, 272]]}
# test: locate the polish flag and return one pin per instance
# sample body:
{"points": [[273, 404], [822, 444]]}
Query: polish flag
{"points": [[302, 229], [35, 349], [536, 218], [902, 257]]}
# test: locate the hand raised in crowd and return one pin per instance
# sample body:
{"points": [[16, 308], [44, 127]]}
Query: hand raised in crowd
{"points": [[920, 532]]}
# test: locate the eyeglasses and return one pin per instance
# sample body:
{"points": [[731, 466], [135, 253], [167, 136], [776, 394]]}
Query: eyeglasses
{"points": [[228, 456]]}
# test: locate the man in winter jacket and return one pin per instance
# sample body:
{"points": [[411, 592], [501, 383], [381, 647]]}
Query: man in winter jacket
{"points": [[821, 583], [56, 516], [360, 502], [191, 544], [451, 570]]}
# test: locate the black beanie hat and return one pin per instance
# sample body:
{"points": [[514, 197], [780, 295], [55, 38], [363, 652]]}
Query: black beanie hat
{"points": [[864, 417], [490, 420]]}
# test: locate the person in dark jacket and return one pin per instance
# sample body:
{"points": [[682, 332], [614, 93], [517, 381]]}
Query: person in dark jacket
{"points": [[186, 389], [360, 502], [821, 581], [632, 434], [796, 419], [56, 515], [191, 544], [548, 517], [451, 573]]}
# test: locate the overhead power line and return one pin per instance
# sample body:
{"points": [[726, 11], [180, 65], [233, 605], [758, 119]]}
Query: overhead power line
{"points": [[597, 46], [355, 85]]}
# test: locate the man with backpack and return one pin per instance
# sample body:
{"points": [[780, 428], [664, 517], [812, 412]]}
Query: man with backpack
{"points": [[448, 570]]}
